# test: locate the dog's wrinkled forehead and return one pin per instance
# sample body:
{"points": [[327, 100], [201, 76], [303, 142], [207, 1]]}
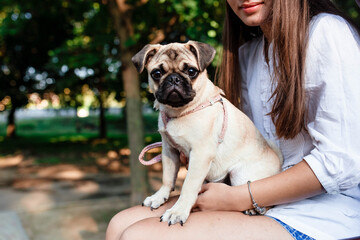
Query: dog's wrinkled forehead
{"points": [[197, 53], [172, 56]]}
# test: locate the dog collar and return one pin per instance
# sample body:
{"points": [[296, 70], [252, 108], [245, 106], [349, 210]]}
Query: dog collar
{"points": [[216, 99], [165, 118]]}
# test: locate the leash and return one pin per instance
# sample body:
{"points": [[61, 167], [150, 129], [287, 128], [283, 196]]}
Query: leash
{"points": [[153, 160], [165, 118]]}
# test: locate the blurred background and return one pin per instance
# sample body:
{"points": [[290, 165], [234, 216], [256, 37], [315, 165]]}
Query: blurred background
{"points": [[74, 112]]}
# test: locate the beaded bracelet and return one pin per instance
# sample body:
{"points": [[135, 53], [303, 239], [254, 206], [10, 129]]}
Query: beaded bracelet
{"points": [[257, 208]]}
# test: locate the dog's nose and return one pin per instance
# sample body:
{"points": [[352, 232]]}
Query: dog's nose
{"points": [[174, 79]]}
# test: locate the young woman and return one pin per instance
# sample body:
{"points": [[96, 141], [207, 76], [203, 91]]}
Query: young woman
{"points": [[299, 81]]}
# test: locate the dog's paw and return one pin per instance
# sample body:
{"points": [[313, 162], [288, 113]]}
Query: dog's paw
{"points": [[154, 202], [158, 199], [175, 215]]}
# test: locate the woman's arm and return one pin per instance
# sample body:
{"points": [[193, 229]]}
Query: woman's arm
{"points": [[296, 183]]}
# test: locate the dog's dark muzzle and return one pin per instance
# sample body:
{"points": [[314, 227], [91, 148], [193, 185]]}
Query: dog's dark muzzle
{"points": [[175, 91]]}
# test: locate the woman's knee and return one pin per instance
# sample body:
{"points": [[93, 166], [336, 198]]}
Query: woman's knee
{"points": [[127, 217], [113, 232], [121, 221], [150, 228], [132, 232]]}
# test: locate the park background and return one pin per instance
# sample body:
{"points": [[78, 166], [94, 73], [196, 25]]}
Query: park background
{"points": [[74, 112]]}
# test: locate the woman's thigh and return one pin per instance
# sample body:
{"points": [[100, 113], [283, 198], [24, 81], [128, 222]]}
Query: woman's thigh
{"points": [[141, 223], [207, 226], [127, 217]]}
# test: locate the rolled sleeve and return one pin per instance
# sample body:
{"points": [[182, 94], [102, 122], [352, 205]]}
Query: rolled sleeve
{"points": [[333, 89], [333, 178]]}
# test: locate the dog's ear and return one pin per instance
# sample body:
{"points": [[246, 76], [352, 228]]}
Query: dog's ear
{"points": [[203, 52], [144, 55]]}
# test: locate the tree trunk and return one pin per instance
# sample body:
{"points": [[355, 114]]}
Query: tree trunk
{"points": [[121, 15], [11, 128], [134, 120], [102, 123]]}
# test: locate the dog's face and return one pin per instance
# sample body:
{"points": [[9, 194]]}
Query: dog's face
{"points": [[175, 70]]}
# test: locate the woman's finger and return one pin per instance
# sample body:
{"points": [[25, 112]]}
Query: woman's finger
{"points": [[197, 205], [204, 188]]}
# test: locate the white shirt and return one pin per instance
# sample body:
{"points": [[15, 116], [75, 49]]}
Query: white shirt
{"points": [[331, 146]]}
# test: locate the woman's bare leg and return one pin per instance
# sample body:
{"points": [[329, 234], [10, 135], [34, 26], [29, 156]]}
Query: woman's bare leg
{"points": [[141, 223], [207, 226], [129, 216]]}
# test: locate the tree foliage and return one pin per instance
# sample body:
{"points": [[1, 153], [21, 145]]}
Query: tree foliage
{"points": [[350, 8], [52, 45], [90, 57], [27, 33]]}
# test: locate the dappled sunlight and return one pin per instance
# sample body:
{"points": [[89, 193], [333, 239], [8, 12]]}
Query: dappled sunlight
{"points": [[114, 161], [77, 138], [157, 167], [182, 173], [99, 141], [68, 183], [87, 187], [155, 150], [39, 188], [70, 175], [58, 139], [111, 165], [155, 178], [32, 184], [112, 154], [11, 161], [35, 201], [68, 138], [74, 227], [125, 151], [114, 166], [68, 198], [73, 221], [65, 172], [103, 161]]}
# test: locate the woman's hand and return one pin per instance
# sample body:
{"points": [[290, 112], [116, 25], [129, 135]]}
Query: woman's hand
{"points": [[298, 182], [217, 197]]}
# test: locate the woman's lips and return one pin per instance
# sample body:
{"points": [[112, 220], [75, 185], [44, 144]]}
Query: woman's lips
{"points": [[251, 7]]}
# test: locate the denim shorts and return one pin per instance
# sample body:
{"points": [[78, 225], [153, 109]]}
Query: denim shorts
{"points": [[297, 235]]}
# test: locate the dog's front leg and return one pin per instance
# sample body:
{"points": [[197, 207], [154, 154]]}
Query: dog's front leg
{"points": [[199, 166], [171, 164]]}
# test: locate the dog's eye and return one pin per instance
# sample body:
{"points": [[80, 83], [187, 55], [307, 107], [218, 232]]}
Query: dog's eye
{"points": [[156, 74], [192, 72]]}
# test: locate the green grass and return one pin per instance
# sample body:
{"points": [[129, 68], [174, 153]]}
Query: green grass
{"points": [[69, 140], [72, 126]]}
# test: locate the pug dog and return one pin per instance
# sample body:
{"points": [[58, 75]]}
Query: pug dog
{"points": [[196, 120]]}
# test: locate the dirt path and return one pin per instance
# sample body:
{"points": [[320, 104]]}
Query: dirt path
{"points": [[64, 202]]}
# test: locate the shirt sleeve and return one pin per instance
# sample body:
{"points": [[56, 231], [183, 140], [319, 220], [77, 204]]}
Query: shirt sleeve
{"points": [[333, 91]]}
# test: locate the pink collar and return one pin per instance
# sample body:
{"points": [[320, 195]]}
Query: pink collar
{"points": [[165, 118]]}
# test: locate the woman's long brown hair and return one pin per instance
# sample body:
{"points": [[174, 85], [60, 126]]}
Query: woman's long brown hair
{"points": [[290, 21]]}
